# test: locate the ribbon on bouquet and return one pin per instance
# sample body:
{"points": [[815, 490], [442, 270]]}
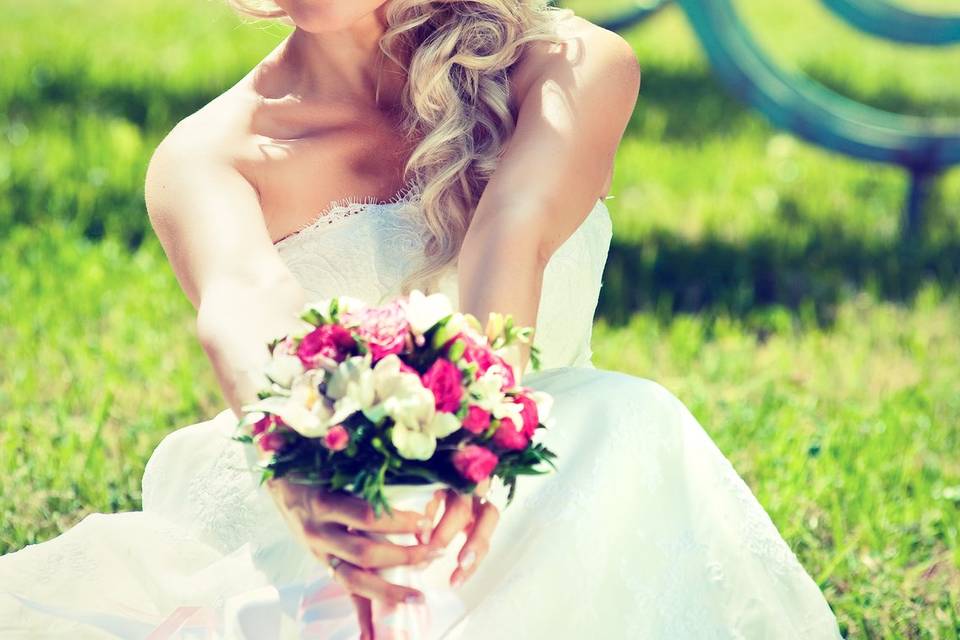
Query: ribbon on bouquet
{"points": [[326, 612], [321, 608]]}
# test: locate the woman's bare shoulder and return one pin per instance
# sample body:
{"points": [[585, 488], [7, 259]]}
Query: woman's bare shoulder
{"points": [[581, 42], [200, 156], [204, 147], [215, 131]]}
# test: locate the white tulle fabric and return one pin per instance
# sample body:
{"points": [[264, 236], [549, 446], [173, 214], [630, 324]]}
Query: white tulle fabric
{"points": [[646, 531]]}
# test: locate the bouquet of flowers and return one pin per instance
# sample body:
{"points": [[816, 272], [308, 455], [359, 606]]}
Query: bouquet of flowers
{"points": [[390, 403], [408, 393]]}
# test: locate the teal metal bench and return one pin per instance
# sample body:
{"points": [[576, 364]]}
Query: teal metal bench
{"points": [[925, 147], [893, 22]]}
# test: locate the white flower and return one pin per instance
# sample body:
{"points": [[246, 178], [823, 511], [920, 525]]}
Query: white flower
{"points": [[305, 411], [409, 403], [454, 326], [417, 423], [387, 375], [345, 304], [425, 311], [486, 390], [351, 387], [283, 368], [412, 444], [509, 409], [544, 402], [443, 424]]}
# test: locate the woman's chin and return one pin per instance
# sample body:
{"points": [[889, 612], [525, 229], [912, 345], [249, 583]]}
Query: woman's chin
{"points": [[325, 17]]}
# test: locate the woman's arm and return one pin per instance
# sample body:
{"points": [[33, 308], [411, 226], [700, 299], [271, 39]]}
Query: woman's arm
{"points": [[570, 121], [209, 221]]}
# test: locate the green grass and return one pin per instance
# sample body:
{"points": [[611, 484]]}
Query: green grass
{"points": [[763, 281]]}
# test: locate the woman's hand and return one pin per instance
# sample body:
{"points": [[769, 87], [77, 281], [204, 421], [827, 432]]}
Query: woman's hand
{"points": [[471, 513], [335, 525]]}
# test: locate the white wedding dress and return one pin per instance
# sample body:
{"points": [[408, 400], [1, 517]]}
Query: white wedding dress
{"points": [[645, 531]]}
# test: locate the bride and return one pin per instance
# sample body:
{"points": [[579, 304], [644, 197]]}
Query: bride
{"points": [[462, 146]]}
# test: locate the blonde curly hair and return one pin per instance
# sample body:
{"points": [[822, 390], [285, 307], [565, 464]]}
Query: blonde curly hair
{"points": [[457, 55]]}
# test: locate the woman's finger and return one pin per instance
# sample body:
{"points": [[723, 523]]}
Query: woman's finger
{"points": [[364, 616], [478, 541], [431, 513], [357, 513], [329, 537], [367, 584], [457, 516]]}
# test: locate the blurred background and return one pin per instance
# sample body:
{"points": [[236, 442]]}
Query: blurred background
{"points": [[767, 282]]}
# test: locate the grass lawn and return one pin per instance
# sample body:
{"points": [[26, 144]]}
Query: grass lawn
{"points": [[761, 280]]}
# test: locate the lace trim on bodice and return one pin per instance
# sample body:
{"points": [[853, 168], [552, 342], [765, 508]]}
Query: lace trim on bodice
{"points": [[343, 208]]}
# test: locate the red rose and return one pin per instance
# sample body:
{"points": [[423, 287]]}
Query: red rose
{"points": [[336, 438], [531, 419], [509, 436], [384, 329], [326, 341], [444, 380], [477, 419], [475, 463]]}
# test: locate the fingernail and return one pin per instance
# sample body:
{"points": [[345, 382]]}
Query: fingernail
{"points": [[414, 599], [433, 554], [468, 559]]}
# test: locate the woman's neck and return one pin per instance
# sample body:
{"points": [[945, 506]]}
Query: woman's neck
{"points": [[342, 65]]}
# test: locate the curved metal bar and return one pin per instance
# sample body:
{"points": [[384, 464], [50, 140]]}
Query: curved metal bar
{"points": [[796, 103], [634, 16], [886, 20]]}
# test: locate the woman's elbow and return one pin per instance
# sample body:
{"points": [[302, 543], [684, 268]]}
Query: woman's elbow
{"points": [[258, 303]]}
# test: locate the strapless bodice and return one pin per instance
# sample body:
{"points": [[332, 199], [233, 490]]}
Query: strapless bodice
{"points": [[365, 249]]}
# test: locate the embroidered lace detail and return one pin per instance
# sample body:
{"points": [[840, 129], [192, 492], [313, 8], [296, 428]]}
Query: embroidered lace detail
{"points": [[337, 210]]}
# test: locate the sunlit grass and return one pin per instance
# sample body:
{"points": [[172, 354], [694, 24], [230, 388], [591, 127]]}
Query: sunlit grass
{"points": [[763, 281]]}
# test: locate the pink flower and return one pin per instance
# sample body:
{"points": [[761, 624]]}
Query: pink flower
{"points": [[509, 436], [531, 419], [264, 423], [475, 463], [483, 356], [444, 380], [287, 345], [326, 341], [271, 442], [509, 381], [477, 419], [384, 329], [476, 353], [337, 438]]}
